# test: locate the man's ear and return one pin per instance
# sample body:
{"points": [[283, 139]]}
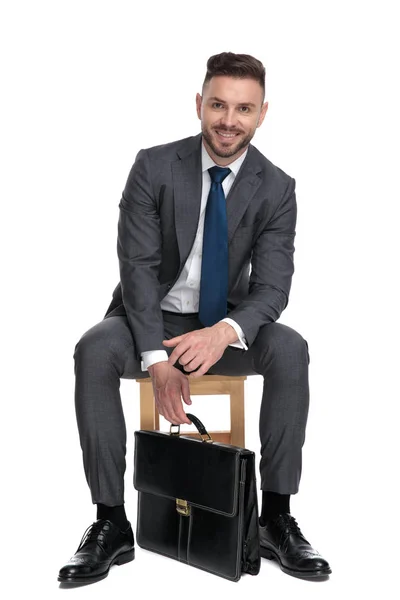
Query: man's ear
{"points": [[262, 114], [199, 100]]}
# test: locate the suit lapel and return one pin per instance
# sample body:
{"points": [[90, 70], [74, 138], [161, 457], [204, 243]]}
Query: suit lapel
{"points": [[187, 181], [241, 193]]}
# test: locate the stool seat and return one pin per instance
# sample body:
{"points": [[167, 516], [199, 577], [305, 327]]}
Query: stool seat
{"points": [[207, 385]]}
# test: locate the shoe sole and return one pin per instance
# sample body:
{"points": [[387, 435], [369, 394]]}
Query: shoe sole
{"points": [[271, 555], [120, 559]]}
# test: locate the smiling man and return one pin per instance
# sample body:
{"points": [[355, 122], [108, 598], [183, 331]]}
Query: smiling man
{"points": [[205, 246], [230, 111]]}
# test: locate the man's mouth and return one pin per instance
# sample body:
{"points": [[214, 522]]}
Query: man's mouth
{"points": [[225, 134]]}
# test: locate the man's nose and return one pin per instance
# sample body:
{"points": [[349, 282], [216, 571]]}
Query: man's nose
{"points": [[229, 118]]}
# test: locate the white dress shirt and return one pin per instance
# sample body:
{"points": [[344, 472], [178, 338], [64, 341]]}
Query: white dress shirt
{"points": [[184, 296]]}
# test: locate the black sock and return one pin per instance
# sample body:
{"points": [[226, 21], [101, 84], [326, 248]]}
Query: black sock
{"points": [[272, 505], [116, 514]]}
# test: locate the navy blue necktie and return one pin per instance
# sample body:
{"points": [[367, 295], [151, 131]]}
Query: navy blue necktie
{"points": [[214, 265]]}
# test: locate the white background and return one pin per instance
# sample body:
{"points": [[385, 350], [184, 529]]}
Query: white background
{"points": [[85, 85]]}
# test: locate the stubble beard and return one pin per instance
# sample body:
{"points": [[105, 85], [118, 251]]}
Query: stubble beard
{"points": [[226, 152]]}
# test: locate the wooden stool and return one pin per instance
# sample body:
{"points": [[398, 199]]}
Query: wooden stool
{"points": [[207, 385]]}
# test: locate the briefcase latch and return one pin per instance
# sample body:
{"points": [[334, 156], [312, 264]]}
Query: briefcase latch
{"points": [[182, 507]]}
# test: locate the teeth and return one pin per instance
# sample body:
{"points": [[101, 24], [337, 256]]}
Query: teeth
{"points": [[227, 134]]}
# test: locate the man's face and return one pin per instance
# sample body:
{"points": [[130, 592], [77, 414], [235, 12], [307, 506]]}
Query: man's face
{"points": [[230, 111]]}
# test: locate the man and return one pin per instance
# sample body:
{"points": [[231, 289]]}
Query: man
{"points": [[205, 246]]}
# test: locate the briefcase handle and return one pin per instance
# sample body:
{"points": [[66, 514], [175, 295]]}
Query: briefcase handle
{"points": [[205, 436]]}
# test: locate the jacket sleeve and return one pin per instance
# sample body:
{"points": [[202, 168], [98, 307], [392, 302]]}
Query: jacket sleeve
{"points": [[272, 268], [139, 255]]}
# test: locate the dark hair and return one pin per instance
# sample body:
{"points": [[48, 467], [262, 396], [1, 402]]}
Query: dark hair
{"points": [[241, 66]]}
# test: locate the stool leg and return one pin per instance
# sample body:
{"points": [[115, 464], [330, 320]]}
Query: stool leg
{"points": [[237, 413], [149, 417]]}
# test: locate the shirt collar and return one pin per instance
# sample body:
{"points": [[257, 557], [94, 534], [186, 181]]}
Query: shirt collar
{"points": [[207, 162]]}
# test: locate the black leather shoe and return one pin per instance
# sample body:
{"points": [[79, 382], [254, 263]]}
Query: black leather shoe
{"points": [[103, 544], [282, 540]]}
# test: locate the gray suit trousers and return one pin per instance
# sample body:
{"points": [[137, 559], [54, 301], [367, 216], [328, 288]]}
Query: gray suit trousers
{"points": [[105, 354]]}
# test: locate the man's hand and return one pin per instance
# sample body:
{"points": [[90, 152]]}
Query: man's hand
{"points": [[168, 385], [201, 348]]}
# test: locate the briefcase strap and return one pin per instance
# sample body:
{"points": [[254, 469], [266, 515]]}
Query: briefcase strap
{"points": [[199, 425]]}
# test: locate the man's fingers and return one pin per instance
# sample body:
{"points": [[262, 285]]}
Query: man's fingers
{"points": [[187, 358], [174, 341], [169, 392], [177, 352], [186, 391], [200, 372], [164, 408], [173, 410], [180, 413], [187, 421], [163, 411], [171, 416], [179, 417], [194, 364]]}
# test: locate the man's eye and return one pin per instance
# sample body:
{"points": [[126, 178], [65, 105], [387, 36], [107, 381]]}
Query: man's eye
{"points": [[217, 105], [244, 109]]}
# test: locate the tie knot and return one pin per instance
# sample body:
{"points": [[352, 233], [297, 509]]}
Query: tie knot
{"points": [[218, 174]]}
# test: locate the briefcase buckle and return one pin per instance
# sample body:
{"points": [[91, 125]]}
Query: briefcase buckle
{"points": [[182, 507], [174, 429]]}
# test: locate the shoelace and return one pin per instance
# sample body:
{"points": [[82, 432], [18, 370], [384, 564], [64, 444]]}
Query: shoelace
{"points": [[94, 533], [289, 523]]}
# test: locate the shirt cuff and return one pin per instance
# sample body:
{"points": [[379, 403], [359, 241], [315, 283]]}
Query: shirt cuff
{"points": [[151, 357], [241, 342]]}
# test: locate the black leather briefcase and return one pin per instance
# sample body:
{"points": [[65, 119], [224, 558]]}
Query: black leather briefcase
{"points": [[197, 501]]}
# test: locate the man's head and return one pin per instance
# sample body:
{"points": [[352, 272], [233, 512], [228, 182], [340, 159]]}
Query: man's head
{"points": [[232, 104]]}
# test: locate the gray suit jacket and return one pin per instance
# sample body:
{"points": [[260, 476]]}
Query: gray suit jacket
{"points": [[159, 213]]}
